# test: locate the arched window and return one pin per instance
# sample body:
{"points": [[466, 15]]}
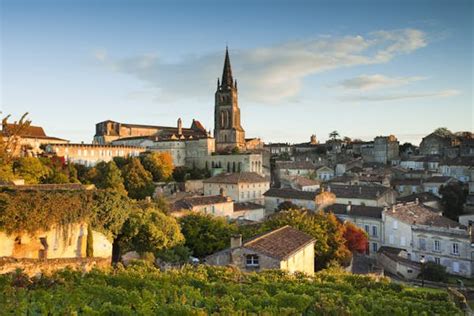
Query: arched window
{"points": [[225, 138], [222, 119], [228, 166], [233, 166]]}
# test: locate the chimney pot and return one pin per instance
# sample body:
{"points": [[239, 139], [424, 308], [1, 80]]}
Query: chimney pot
{"points": [[236, 241]]}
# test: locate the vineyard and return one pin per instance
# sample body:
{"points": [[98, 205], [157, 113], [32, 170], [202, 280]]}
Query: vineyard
{"points": [[202, 290]]}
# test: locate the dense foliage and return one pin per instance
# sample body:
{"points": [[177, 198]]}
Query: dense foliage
{"points": [[324, 227], [434, 272], [138, 181], [160, 165], [30, 211], [453, 198], [143, 290], [206, 234]]}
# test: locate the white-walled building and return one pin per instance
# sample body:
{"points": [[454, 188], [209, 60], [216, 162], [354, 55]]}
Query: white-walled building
{"points": [[241, 187]]}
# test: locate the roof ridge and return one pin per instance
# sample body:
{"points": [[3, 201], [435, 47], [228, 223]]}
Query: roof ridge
{"points": [[266, 234]]}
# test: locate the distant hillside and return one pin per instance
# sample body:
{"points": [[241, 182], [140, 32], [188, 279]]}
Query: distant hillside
{"points": [[203, 290]]}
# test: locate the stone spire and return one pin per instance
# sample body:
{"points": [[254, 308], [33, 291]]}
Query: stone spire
{"points": [[227, 80]]}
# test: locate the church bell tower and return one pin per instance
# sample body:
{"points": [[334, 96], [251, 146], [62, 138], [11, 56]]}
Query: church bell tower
{"points": [[228, 132]]}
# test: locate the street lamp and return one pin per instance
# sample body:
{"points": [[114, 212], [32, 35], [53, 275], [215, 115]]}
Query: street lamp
{"points": [[422, 261]]}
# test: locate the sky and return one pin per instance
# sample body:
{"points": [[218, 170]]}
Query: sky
{"points": [[363, 68]]}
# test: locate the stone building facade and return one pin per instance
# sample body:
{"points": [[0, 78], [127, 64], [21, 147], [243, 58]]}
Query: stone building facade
{"points": [[285, 248], [91, 154], [241, 187]]}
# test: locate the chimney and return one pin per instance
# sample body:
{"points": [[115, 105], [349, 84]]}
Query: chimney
{"points": [[180, 127], [349, 207], [236, 241], [393, 208]]}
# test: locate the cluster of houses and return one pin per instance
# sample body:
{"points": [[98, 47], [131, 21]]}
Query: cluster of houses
{"points": [[393, 192]]}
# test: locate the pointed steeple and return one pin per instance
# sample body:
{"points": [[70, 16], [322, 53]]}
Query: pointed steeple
{"points": [[227, 80]]}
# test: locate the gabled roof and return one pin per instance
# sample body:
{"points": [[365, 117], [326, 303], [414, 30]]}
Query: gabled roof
{"points": [[438, 179], [358, 191], [422, 197], [419, 214], [291, 194], [356, 210], [279, 243], [189, 202], [236, 178], [247, 206]]}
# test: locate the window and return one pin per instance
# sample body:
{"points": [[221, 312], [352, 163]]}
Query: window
{"points": [[374, 231], [422, 243], [455, 248], [456, 267], [403, 241], [366, 227], [251, 261], [437, 245], [437, 260], [395, 225], [374, 247]]}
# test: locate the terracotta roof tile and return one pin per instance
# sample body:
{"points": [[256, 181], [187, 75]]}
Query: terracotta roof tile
{"points": [[280, 243]]}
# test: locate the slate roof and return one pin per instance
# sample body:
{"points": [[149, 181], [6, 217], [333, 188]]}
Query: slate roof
{"points": [[356, 210], [438, 179], [236, 178], [459, 161], [279, 243], [190, 202], [422, 197], [358, 191], [419, 214], [246, 206], [295, 165], [406, 182], [291, 194]]}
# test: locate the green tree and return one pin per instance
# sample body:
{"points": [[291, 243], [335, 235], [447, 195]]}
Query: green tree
{"points": [[90, 242], [324, 227], [6, 172], [334, 135], [138, 181], [31, 169], [206, 234], [150, 230], [287, 205], [434, 272], [443, 131], [109, 177], [160, 165], [453, 198], [111, 209]]}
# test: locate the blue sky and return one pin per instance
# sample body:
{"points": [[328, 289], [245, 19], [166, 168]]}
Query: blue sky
{"points": [[363, 68]]}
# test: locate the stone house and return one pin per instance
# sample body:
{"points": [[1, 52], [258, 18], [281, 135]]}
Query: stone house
{"points": [[459, 168], [425, 233], [406, 187], [274, 197], [217, 205], [395, 261], [433, 184], [284, 248], [289, 169], [248, 211], [425, 198], [324, 173], [241, 187], [301, 183], [434, 144], [31, 139], [369, 195], [368, 218]]}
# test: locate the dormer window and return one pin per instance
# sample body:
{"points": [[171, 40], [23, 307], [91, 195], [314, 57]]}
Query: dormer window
{"points": [[251, 261]]}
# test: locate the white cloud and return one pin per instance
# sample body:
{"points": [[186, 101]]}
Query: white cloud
{"points": [[377, 81], [402, 96], [267, 74]]}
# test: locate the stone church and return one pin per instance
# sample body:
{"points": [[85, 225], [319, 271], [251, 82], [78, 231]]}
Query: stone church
{"points": [[194, 146], [228, 131]]}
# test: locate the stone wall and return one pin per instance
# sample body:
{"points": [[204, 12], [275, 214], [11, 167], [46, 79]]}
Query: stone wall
{"points": [[34, 267]]}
